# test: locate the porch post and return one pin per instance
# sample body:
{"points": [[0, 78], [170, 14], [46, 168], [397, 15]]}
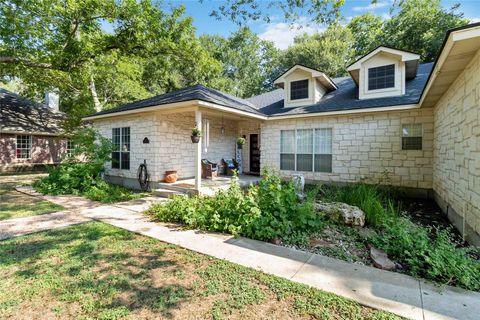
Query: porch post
{"points": [[198, 152]]}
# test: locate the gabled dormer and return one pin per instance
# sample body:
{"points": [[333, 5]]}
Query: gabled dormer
{"points": [[304, 86], [383, 72]]}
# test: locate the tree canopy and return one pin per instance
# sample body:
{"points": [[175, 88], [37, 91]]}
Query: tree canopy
{"points": [[103, 53]]}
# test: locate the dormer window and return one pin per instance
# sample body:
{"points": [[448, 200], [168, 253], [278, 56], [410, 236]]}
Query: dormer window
{"points": [[299, 89], [381, 77]]}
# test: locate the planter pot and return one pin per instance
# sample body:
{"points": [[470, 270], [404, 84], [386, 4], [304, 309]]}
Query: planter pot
{"points": [[195, 139], [239, 146], [171, 176]]}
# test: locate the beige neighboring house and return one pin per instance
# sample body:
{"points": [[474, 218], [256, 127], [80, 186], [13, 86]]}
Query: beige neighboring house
{"points": [[392, 120], [30, 133]]}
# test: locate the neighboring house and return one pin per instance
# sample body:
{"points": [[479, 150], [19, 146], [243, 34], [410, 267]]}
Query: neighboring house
{"points": [[393, 120], [30, 132]]}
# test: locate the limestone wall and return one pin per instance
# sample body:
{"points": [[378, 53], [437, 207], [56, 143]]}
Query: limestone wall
{"points": [[456, 178], [364, 147]]}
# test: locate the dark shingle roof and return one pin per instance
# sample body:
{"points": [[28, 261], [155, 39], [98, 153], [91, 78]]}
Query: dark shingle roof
{"points": [[18, 114], [197, 92], [271, 103], [344, 98]]}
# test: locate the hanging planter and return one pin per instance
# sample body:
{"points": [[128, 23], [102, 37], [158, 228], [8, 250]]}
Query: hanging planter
{"points": [[196, 134], [240, 142]]}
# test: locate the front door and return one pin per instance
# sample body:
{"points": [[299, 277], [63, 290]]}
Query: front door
{"points": [[254, 154]]}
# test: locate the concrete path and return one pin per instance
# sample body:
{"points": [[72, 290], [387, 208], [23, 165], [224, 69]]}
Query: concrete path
{"points": [[394, 292]]}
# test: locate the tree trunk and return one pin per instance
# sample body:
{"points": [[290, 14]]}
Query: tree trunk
{"points": [[93, 90]]}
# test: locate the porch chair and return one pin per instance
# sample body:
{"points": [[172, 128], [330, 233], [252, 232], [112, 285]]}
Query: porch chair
{"points": [[209, 169], [229, 165]]}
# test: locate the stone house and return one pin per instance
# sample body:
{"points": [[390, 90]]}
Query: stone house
{"points": [[392, 120], [30, 133]]}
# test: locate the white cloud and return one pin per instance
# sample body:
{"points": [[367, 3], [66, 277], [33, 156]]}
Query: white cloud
{"points": [[372, 6], [473, 19], [282, 34]]}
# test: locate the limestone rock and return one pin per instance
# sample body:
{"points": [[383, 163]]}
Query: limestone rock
{"points": [[350, 215], [381, 260]]}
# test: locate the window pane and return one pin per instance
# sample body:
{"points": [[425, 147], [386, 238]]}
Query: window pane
{"points": [[304, 162], [287, 141], [381, 77], [125, 160], [323, 141], [287, 162], [305, 141], [412, 143], [116, 139], [412, 130], [323, 163], [23, 148], [126, 139], [116, 160], [299, 89]]}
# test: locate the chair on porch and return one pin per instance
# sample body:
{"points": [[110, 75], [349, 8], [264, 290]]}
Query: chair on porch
{"points": [[209, 169], [228, 166]]}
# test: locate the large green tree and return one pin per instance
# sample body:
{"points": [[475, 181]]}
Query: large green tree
{"points": [[248, 62], [415, 25], [100, 53], [328, 51]]}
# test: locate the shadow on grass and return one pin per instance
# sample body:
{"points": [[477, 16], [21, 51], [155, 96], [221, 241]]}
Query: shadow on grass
{"points": [[108, 271]]}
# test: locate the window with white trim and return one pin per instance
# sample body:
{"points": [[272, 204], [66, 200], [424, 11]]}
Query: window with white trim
{"points": [[70, 147], [299, 89], [121, 148], [412, 136], [23, 149], [381, 77], [306, 150]]}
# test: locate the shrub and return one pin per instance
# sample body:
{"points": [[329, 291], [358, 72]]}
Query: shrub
{"points": [[427, 253], [264, 212], [80, 173]]}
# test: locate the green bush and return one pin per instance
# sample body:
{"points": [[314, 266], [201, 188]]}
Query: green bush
{"points": [[79, 174], [427, 253], [266, 211]]}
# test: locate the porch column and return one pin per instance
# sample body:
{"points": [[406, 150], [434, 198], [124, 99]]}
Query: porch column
{"points": [[198, 152]]}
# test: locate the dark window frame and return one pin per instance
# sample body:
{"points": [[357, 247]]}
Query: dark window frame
{"points": [[121, 148], [299, 89], [382, 77]]}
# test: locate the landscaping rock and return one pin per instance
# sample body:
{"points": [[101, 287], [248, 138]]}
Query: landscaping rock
{"points": [[381, 260], [316, 243], [342, 212], [276, 241]]}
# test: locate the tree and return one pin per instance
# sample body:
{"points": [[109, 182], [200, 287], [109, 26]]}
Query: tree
{"points": [[247, 62], [99, 53], [366, 31], [328, 51], [245, 11], [415, 25]]}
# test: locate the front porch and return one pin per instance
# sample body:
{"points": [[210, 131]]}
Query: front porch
{"points": [[208, 186]]}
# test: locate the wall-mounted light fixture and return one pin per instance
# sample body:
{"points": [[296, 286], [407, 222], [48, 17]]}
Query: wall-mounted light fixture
{"points": [[145, 140], [222, 130]]}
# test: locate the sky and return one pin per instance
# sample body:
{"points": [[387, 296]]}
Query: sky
{"points": [[281, 33]]}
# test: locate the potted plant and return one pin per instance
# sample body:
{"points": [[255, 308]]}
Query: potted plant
{"points": [[240, 142], [196, 134]]}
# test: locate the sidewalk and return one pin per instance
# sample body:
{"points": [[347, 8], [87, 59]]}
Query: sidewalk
{"points": [[394, 292]]}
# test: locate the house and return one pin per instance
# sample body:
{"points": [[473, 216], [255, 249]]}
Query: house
{"points": [[30, 133], [392, 120]]}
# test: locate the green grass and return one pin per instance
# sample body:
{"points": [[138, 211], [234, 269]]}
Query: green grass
{"points": [[14, 204], [96, 271]]}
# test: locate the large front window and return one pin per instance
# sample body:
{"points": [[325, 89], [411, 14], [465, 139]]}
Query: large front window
{"points": [[306, 150], [121, 148], [24, 147], [381, 77], [299, 89]]}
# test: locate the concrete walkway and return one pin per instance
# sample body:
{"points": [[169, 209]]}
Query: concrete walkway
{"points": [[394, 292]]}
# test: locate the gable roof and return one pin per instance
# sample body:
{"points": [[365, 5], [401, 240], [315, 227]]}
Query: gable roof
{"points": [[344, 98], [406, 56], [21, 115], [196, 92], [324, 79]]}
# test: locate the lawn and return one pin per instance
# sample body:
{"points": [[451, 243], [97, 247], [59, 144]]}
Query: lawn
{"points": [[95, 270], [14, 204]]}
